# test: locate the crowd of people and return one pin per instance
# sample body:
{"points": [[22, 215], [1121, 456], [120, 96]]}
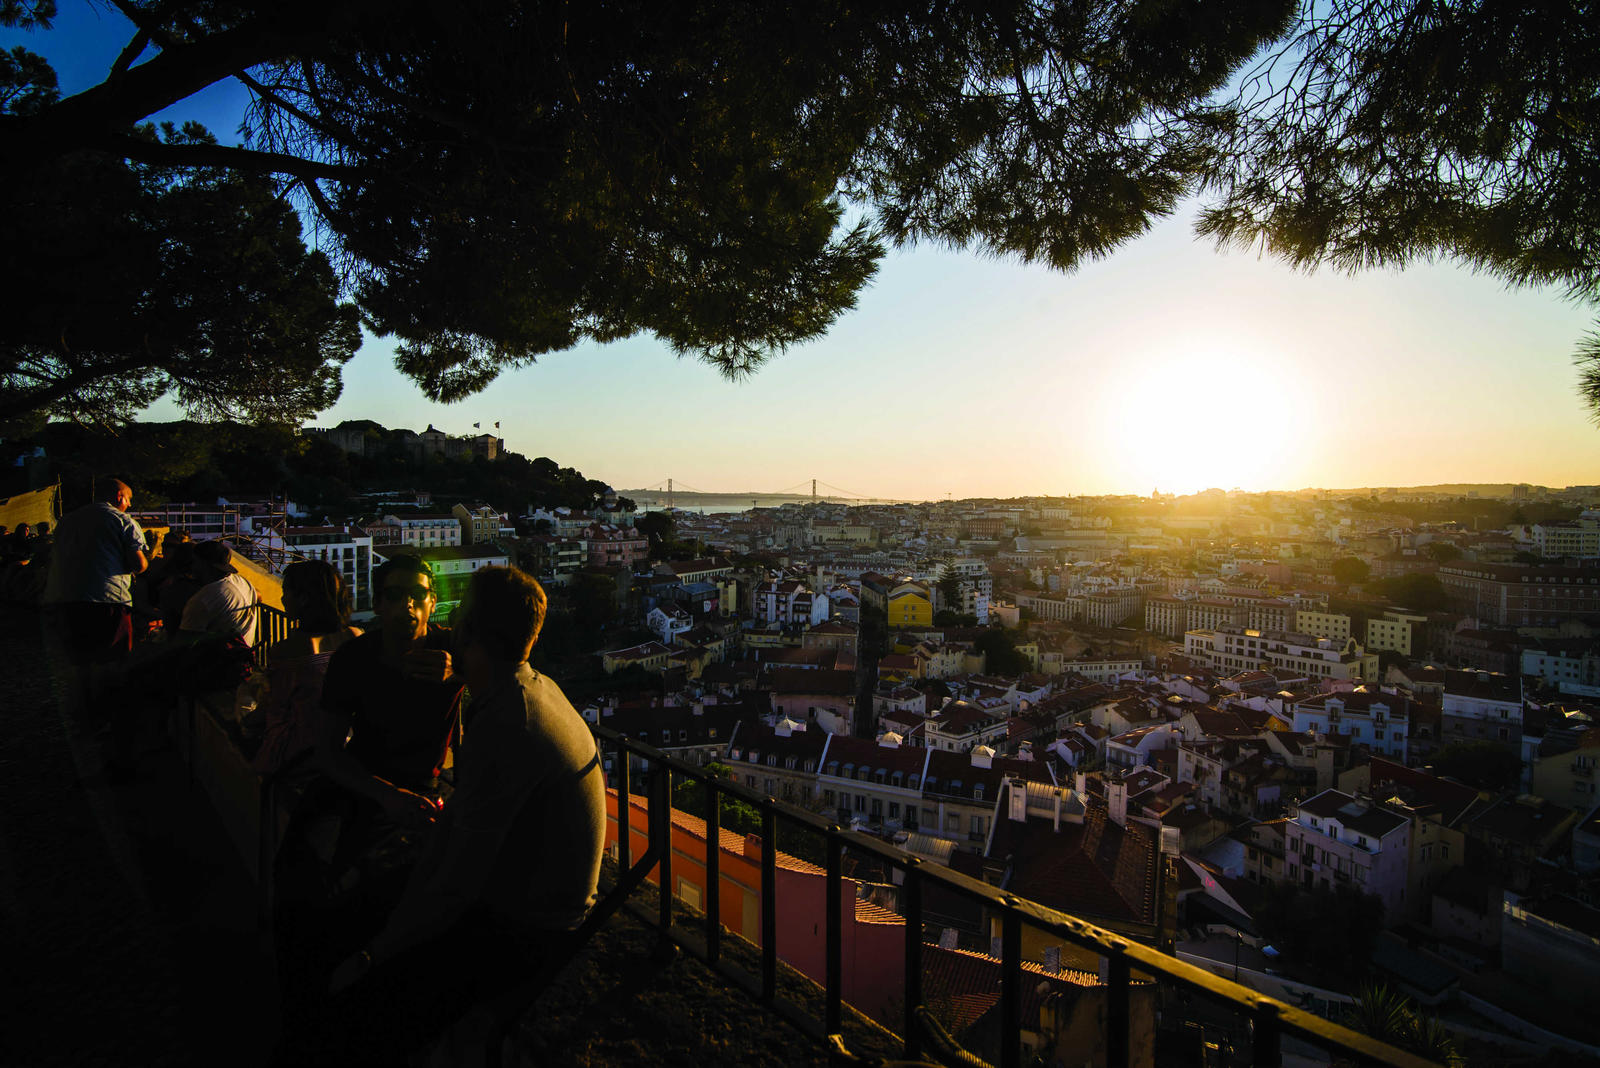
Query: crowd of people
{"points": [[24, 559], [444, 806]]}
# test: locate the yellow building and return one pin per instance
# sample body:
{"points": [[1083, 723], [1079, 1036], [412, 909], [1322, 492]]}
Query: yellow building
{"points": [[1333, 625], [910, 605], [1393, 631]]}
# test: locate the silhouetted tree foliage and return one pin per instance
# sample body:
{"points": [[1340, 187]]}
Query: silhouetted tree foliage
{"points": [[124, 282], [508, 179], [1349, 570], [660, 529], [189, 461], [1486, 765], [744, 818], [1424, 593], [1000, 649]]}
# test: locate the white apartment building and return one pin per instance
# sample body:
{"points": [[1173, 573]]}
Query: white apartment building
{"points": [[1166, 615], [1572, 670], [1579, 538], [1107, 608], [1481, 706], [1232, 648], [1380, 721], [1337, 840], [347, 548], [787, 602], [427, 530], [1103, 670]]}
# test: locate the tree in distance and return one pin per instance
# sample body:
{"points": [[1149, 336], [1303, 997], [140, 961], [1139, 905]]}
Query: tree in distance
{"points": [[1350, 570], [502, 180]]}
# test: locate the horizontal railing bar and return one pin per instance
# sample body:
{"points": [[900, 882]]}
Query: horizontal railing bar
{"points": [[1290, 1020]]}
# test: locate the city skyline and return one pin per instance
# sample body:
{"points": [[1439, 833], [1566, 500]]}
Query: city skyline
{"points": [[1165, 366]]}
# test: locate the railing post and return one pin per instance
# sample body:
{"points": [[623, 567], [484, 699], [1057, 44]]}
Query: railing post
{"points": [[769, 901], [835, 951], [1010, 985], [713, 870], [624, 809], [913, 984], [663, 779], [1118, 1014], [1265, 1035]]}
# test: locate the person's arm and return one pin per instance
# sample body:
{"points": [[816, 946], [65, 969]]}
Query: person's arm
{"points": [[460, 859], [333, 726], [135, 554]]}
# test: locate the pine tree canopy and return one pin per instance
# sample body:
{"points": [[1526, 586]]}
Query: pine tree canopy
{"points": [[498, 179]]}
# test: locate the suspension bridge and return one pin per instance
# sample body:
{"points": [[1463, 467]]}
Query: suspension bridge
{"points": [[668, 492]]}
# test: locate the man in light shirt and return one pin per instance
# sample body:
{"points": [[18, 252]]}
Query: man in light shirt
{"points": [[88, 596]]}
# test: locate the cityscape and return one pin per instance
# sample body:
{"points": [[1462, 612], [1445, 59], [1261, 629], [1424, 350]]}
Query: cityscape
{"points": [[732, 532], [1310, 741]]}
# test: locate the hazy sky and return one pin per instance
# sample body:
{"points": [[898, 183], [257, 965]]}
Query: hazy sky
{"points": [[1168, 365]]}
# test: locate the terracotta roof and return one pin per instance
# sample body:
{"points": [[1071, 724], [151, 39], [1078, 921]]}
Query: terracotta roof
{"points": [[1358, 816], [1095, 869], [806, 680], [864, 753], [1450, 798]]}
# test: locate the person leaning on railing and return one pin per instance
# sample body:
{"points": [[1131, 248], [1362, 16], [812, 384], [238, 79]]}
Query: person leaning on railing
{"points": [[515, 857], [316, 598]]}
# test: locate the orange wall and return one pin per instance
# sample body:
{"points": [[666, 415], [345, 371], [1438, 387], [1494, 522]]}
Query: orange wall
{"points": [[872, 964]]}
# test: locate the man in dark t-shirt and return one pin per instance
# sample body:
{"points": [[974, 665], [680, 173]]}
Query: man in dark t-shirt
{"points": [[394, 695]]}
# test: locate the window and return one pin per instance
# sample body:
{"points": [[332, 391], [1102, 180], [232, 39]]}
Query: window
{"points": [[894, 810]]}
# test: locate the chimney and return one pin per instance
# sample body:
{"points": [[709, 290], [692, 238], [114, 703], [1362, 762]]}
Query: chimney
{"points": [[1117, 801], [1080, 784], [1017, 793], [982, 756]]}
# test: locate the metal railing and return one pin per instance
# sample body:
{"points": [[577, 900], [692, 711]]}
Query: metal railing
{"points": [[272, 626], [1122, 960]]}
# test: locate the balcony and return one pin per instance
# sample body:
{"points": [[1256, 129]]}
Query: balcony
{"points": [[139, 940]]}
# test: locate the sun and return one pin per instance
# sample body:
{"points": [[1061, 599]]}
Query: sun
{"points": [[1203, 417]]}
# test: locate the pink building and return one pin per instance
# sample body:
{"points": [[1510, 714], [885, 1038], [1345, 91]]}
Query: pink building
{"points": [[611, 546], [874, 938], [1337, 840]]}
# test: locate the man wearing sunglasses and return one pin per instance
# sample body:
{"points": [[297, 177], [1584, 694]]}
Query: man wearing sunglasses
{"points": [[394, 695]]}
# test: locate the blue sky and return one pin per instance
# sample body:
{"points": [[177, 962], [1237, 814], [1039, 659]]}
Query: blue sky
{"points": [[1168, 365]]}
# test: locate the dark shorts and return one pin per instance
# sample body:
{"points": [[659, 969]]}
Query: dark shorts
{"points": [[93, 633]]}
